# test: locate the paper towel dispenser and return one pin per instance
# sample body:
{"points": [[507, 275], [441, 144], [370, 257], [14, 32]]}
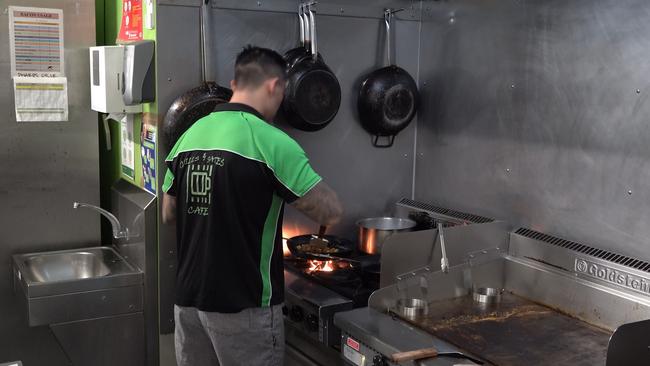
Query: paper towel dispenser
{"points": [[139, 73], [106, 68]]}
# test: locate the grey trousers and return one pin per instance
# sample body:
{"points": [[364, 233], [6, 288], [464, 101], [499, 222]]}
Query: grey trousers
{"points": [[253, 337]]}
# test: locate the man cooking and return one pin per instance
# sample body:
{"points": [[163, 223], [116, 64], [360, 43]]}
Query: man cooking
{"points": [[228, 178]]}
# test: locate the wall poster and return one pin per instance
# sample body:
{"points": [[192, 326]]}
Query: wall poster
{"points": [[149, 158], [131, 28], [41, 99], [127, 151], [36, 42]]}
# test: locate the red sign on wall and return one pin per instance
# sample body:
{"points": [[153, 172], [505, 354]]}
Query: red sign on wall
{"points": [[131, 28]]}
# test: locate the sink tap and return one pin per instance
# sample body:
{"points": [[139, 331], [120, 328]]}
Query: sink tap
{"points": [[118, 232], [444, 262]]}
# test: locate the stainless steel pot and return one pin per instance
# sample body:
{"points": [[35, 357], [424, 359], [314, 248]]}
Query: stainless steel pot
{"points": [[374, 231]]}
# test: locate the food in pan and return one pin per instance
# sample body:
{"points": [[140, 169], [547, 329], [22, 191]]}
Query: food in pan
{"points": [[317, 248]]}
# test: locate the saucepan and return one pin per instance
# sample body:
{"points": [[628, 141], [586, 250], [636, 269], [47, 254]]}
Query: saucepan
{"points": [[374, 231]]}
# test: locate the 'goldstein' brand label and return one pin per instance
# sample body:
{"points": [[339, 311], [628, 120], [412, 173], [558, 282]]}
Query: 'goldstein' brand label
{"points": [[611, 275]]}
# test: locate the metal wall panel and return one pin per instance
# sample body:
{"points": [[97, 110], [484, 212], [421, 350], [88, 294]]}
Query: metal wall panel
{"points": [[179, 69], [44, 168], [536, 112]]}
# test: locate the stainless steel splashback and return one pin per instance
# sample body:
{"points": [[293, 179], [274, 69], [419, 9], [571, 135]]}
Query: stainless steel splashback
{"points": [[406, 252], [536, 112]]}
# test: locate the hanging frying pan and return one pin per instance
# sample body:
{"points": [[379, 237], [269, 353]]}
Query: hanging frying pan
{"points": [[388, 97], [198, 102], [313, 93]]}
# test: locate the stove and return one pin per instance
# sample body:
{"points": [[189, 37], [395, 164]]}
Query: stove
{"points": [[313, 294]]}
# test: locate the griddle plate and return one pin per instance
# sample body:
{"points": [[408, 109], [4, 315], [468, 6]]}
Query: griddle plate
{"points": [[516, 332]]}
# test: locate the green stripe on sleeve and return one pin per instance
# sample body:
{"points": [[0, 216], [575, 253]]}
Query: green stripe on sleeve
{"points": [[169, 181], [268, 244]]}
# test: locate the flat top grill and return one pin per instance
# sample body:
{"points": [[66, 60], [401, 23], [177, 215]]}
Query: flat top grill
{"points": [[515, 332]]}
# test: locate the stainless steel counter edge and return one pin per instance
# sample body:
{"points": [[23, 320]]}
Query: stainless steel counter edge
{"points": [[388, 335]]}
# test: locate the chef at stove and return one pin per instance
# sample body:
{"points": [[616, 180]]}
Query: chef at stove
{"points": [[228, 178]]}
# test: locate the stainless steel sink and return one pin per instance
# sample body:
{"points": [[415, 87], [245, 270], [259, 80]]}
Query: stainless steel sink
{"points": [[69, 265], [65, 266], [77, 284]]}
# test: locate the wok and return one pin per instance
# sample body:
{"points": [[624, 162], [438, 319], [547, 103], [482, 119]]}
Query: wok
{"points": [[197, 102], [388, 97]]}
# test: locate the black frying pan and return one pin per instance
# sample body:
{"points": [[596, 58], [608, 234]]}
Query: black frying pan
{"points": [[388, 97], [343, 247], [313, 93], [198, 102]]}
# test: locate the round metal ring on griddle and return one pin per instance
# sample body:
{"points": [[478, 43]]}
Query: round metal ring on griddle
{"points": [[487, 295]]}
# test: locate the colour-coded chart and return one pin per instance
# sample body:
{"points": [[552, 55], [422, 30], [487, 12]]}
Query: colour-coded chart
{"points": [[36, 42]]}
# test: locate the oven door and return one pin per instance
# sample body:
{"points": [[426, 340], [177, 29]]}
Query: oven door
{"points": [[302, 350]]}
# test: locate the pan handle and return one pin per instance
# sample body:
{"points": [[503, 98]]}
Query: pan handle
{"points": [[388, 15], [388, 20], [312, 26], [301, 20], [414, 355], [389, 143]]}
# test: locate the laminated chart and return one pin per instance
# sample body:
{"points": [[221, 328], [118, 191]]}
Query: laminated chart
{"points": [[41, 99], [36, 42]]}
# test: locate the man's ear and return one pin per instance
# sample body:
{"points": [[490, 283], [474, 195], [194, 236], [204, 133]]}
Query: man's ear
{"points": [[273, 85], [233, 86]]}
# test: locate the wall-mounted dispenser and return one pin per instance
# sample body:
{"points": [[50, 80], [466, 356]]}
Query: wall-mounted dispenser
{"points": [[106, 80], [139, 73]]}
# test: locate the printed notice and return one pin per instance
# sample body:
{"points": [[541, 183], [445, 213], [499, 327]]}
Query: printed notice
{"points": [[41, 99], [36, 42], [128, 160]]}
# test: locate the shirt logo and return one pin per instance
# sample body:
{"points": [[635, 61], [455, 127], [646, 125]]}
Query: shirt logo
{"points": [[199, 188]]}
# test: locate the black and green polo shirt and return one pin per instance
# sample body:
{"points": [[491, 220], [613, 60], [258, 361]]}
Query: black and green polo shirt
{"points": [[231, 173]]}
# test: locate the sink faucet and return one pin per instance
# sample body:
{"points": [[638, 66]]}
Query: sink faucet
{"points": [[118, 232], [444, 262]]}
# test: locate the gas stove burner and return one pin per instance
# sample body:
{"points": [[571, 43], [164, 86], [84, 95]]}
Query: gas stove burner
{"points": [[336, 272]]}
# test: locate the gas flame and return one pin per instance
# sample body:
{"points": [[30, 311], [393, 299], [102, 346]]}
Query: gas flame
{"points": [[321, 266]]}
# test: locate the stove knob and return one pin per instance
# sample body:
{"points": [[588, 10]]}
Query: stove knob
{"points": [[296, 314], [285, 310], [312, 323], [379, 360]]}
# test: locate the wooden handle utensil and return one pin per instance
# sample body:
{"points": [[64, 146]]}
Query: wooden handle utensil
{"points": [[414, 355]]}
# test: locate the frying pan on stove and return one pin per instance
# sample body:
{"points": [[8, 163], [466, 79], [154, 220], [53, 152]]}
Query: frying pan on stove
{"points": [[198, 102], [343, 247]]}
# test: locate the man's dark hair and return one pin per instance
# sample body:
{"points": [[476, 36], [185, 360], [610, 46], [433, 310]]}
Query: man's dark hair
{"points": [[255, 65]]}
